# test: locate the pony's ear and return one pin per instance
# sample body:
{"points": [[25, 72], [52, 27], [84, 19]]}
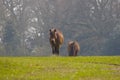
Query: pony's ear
{"points": [[55, 30], [50, 30]]}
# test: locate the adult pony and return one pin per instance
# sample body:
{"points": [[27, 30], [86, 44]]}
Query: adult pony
{"points": [[56, 40], [73, 48]]}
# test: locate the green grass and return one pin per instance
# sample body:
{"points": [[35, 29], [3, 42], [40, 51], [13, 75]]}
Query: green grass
{"points": [[60, 68]]}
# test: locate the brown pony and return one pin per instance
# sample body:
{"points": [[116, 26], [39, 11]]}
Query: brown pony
{"points": [[73, 48], [56, 40]]}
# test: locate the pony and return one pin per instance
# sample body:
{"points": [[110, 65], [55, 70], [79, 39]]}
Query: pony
{"points": [[56, 39], [73, 48]]}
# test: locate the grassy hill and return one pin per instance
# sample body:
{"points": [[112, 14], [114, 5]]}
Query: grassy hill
{"points": [[60, 68]]}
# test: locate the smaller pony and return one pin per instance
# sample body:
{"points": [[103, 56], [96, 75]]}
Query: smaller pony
{"points": [[73, 48]]}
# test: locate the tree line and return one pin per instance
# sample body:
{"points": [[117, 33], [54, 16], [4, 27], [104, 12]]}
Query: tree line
{"points": [[25, 24]]}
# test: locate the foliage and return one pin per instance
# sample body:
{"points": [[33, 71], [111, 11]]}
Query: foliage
{"points": [[90, 22], [112, 46], [10, 38], [2, 50]]}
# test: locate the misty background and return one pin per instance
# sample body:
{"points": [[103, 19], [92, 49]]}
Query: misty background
{"points": [[25, 24]]}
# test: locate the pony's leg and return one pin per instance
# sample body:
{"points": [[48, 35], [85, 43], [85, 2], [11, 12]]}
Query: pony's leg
{"points": [[53, 50], [76, 53], [57, 50]]}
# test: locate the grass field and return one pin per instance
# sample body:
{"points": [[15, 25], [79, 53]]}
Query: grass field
{"points": [[60, 68]]}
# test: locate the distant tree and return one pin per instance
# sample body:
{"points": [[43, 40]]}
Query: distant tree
{"points": [[90, 22], [10, 39], [112, 46]]}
